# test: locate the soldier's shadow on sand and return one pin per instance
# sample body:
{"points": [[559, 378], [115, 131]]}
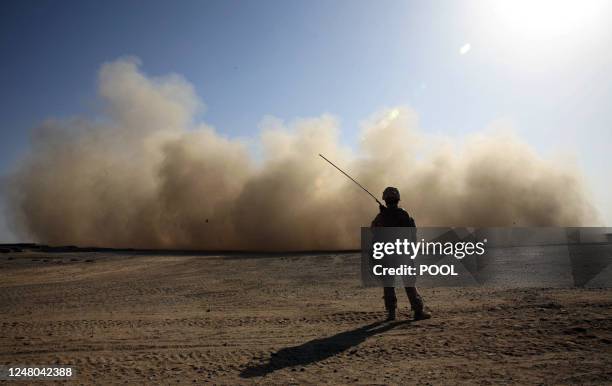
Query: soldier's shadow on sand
{"points": [[318, 349]]}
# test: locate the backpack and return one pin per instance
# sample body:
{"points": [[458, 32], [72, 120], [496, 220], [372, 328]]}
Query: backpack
{"points": [[397, 217]]}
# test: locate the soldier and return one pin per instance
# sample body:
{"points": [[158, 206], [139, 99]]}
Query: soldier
{"points": [[394, 216]]}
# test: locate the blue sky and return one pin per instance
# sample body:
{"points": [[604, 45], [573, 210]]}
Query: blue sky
{"points": [[248, 59]]}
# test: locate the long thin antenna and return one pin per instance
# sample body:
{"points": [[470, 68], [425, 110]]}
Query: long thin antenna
{"points": [[351, 178]]}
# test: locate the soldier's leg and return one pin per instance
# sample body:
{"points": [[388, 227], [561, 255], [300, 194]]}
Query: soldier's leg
{"points": [[416, 303], [390, 302]]}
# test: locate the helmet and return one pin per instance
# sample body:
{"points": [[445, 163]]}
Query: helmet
{"points": [[391, 194]]}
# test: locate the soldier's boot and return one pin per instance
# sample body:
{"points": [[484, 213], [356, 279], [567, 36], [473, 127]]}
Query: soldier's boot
{"points": [[390, 302], [416, 303], [421, 315]]}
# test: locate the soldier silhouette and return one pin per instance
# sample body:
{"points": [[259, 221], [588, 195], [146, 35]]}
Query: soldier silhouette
{"points": [[394, 216]]}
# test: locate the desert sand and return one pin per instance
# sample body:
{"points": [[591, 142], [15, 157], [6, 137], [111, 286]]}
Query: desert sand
{"points": [[180, 318]]}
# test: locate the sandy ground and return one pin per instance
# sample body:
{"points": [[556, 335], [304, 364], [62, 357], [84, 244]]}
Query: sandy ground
{"points": [[180, 319]]}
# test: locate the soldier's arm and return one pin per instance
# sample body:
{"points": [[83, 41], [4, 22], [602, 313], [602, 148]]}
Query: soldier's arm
{"points": [[411, 222], [407, 220], [377, 222]]}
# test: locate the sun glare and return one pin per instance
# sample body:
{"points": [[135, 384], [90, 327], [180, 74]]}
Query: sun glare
{"points": [[546, 19]]}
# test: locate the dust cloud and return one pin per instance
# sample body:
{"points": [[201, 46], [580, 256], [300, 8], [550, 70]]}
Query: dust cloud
{"points": [[145, 174]]}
